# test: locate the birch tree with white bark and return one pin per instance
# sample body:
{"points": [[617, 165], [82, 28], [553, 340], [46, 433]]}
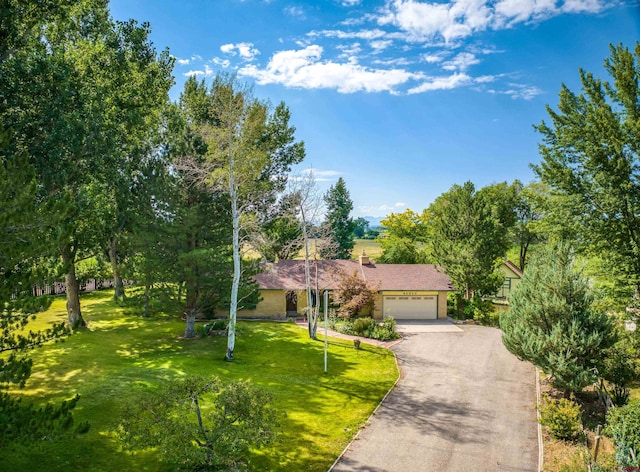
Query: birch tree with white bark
{"points": [[316, 239], [250, 150]]}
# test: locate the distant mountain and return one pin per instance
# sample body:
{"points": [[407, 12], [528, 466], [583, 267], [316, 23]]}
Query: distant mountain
{"points": [[373, 220]]}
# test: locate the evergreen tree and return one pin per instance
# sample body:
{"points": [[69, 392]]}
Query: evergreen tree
{"points": [[551, 323], [341, 225]]}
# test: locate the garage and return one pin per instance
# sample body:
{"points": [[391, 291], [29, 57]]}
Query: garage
{"points": [[411, 307]]}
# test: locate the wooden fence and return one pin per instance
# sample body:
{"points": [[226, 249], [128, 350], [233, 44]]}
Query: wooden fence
{"points": [[59, 288]]}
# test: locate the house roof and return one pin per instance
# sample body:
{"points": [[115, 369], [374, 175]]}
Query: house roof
{"points": [[290, 275], [514, 268]]}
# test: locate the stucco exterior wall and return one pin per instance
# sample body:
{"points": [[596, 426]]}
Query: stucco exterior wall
{"points": [[272, 305], [511, 279], [442, 305], [377, 312]]}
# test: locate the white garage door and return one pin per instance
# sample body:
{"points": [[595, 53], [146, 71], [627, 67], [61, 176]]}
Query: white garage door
{"points": [[411, 307]]}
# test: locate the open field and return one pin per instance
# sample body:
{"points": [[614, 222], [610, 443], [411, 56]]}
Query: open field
{"points": [[371, 247], [121, 357]]}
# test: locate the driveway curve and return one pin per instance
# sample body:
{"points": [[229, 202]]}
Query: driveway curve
{"points": [[463, 403]]}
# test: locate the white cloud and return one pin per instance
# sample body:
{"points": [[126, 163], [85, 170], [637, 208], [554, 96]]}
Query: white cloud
{"points": [[295, 11], [193, 72], [461, 62], [583, 6], [304, 69], [459, 19], [442, 83], [376, 211], [400, 204], [183, 62], [245, 50], [318, 175], [350, 3], [519, 91], [224, 63], [434, 58], [381, 44], [363, 34]]}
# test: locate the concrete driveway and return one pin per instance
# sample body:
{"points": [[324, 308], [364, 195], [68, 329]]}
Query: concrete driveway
{"points": [[464, 403]]}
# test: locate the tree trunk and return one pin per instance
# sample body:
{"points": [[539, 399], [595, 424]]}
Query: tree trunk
{"points": [[307, 275], [523, 254], [147, 297], [190, 330], [233, 308], [118, 286], [74, 314]]}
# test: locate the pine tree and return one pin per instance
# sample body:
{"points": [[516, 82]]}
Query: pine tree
{"points": [[551, 323], [339, 206]]}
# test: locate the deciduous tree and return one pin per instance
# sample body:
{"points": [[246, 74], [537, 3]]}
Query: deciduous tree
{"points": [[467, 240], [590, 160]]}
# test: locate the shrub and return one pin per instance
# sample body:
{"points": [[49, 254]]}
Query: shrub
{"points": [[562, 418], [386, 331], [364, 326], [368, 328], [344, 327], [482, 311], [623, 427], [215, 325]]}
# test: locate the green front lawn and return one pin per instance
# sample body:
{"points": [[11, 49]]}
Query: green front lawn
{"points": [[122, 356]]}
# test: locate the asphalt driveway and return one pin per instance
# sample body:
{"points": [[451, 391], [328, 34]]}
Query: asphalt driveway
{"points": [[464, 403]]}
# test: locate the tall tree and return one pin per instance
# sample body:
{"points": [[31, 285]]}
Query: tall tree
{"points": [[467, 240], [74, 96], [250, 149], [551, 323], [590, 160], [338, 219]]}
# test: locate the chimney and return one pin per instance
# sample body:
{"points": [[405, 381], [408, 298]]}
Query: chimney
{"points": [[364, 259]]}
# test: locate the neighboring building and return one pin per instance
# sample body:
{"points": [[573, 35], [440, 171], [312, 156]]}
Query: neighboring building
{"points": [[512, 276], [405, 291]]}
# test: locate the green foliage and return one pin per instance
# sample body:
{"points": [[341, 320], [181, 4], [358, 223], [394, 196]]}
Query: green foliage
{"points": [[482, 311], [206, 329], [338, 221], [551, 324], [407, 225], [361, 227], [363, 326], [400, 251], [623, 427], [562, 417], [590, 160], [26, 423], [467, 240], [620, 367], [368, 328], [202, 423]]}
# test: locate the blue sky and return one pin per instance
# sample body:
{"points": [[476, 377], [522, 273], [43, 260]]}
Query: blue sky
{"points": [[401, 98]]}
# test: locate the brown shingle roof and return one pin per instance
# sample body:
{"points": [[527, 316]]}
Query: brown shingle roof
{"points": [[514, 268], [289, 275]]}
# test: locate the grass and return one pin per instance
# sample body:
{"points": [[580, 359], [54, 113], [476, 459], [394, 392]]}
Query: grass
{"points": [[370, 246], [121, 357]]}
